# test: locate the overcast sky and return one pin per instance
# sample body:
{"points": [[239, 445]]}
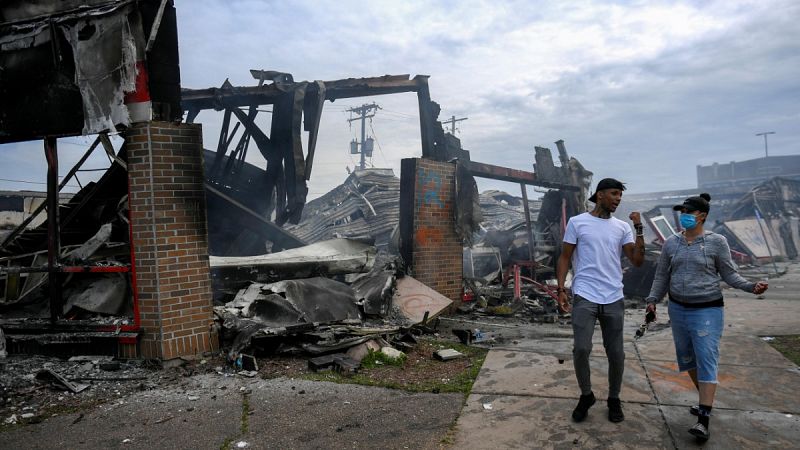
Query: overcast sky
{"points": [[640, 91]]}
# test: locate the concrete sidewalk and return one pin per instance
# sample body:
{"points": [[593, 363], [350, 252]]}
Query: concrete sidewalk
{"points": [[525, 393], [211, 412]]}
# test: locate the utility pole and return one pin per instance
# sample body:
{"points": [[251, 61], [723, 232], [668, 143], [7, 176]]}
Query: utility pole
{"points": [[364, 112], [452, 121], [766, 149]]}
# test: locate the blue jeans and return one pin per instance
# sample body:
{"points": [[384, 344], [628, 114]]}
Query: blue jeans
{"points": [[697, 333]]}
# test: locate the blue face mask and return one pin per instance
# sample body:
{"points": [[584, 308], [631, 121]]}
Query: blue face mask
{"points": [[688, 221]]}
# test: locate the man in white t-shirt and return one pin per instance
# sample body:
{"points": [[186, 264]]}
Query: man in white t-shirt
{"points": [[593, 243]]}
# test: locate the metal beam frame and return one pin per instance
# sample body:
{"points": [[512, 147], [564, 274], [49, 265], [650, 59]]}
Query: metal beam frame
{"points": [[493, 172], [53, 229], [200, 99]]}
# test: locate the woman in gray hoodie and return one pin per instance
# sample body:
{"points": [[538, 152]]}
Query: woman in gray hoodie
{"points": [[689, 270]]}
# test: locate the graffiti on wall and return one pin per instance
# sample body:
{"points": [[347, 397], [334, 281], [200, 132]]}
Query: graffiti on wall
{"points": [[429, 187]]}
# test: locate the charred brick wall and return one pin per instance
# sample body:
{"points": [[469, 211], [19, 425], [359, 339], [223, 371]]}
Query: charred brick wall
{"points": [[170, 239], [429, 242]]}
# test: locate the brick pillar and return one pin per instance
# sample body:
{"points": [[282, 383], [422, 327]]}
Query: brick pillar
{"points": [[429, 242], [170, 239]]}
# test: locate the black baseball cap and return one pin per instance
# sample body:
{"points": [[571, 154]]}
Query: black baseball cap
{"points": [[606, 183], [699, 203]]}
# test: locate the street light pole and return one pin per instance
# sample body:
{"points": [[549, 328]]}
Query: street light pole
{"points": [[766, 149]]}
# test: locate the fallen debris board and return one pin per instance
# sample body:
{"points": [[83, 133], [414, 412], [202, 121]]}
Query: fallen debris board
{"points": [[336, 256], [323, 362], [415, 299], [346, 365], [59, 382], [95, 359], [105, 295], [447, 354], [749, 234], [326, 362]]}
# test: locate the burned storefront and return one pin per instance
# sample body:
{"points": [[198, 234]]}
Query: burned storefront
{"points": [[67, 69], [175, 247], [317, 278]]}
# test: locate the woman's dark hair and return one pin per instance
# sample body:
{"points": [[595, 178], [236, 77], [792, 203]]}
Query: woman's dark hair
{"points": [[705, 196]]}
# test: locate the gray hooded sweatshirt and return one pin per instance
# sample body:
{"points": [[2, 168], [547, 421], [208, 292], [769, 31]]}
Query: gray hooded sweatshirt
{"points": [[690, 273]]}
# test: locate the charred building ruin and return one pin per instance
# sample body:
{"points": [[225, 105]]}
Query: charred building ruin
{"points": [[124, 267]]}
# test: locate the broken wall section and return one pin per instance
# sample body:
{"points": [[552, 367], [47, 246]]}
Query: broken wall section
{"points": [[429, 242], [170, 240]]}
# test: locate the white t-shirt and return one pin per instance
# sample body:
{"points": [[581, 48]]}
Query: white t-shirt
{"points": [[596, 261]]}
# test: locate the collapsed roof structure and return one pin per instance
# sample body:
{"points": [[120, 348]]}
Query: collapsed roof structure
{"points": [[366, 204]]}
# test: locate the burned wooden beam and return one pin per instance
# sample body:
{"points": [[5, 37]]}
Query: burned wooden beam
{"points": [[493, 172], [210, 98], [426, 118], [528, 227], [312, 111]]}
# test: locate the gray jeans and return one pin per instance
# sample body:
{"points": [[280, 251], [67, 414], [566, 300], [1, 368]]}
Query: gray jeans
{"points": [[584, 316]]}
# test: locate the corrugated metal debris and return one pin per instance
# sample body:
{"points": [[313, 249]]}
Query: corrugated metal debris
{"points": [[365, 205]]}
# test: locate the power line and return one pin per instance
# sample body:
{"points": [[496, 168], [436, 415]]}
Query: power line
{"points": [[32, 182], [379, 144], [411, 116], [452, 121]]}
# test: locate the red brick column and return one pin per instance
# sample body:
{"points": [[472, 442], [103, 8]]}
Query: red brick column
{"points": [[170, 240], [429, 241]]}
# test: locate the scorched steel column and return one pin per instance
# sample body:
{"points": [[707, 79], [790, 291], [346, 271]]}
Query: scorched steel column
{"points": [[53, 231]]}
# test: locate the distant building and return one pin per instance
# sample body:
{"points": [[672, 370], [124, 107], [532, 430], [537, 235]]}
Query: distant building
{"points": [[16, 206], [743, 175]]}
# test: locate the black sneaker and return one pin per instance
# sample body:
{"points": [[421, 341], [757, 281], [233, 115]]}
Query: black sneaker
{"points": [[585, 402], [700, 431], [615, 413]]}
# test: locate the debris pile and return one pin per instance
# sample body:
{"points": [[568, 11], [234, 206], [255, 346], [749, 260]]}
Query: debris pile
{"points": [[34, 387], [502, 211], [342, 302], [93, 267], [764, 224]]}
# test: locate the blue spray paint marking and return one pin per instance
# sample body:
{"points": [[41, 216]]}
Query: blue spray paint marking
{"points": [[430, 195]]}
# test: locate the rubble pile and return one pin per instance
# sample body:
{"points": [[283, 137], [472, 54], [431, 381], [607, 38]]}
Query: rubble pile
{"points": [[351, 301], [764, 224], [502, 211], [34, 387]]}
